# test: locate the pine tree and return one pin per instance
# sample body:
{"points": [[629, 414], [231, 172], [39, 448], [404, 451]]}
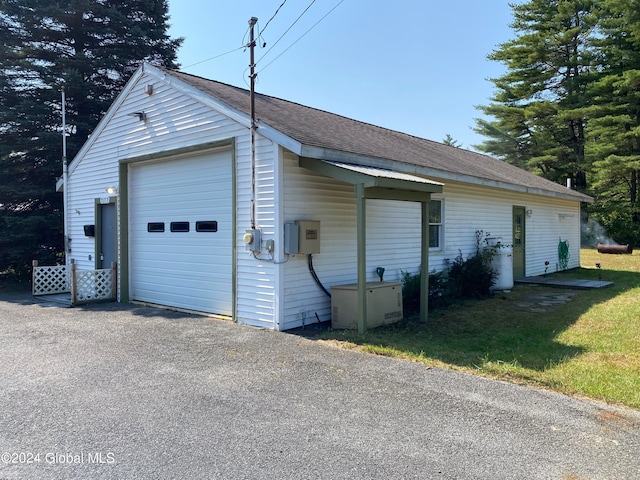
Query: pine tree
{"points": [[537, 123], [91, 47], [452, 142], [614, 125]]}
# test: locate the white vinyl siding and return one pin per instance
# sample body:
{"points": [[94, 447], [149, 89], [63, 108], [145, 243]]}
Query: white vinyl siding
{"points": [[393, 238], [174, 121], [393, 234], [551, 221], [177, 120], [308, 196], [257, 277], [472, 208]]}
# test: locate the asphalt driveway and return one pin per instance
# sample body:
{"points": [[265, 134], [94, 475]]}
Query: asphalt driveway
{"points": [[128, 392]]}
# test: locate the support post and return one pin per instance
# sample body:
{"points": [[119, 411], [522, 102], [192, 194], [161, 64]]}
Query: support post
{"points": [[424, 261], [34, 264], [114, 281], [361, 224], [74, 293]]}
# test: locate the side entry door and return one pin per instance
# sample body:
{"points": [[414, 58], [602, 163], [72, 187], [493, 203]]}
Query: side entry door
{"points": [[519, 242], [106, 236]]}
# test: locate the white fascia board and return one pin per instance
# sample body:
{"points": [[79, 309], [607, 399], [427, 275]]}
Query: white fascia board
{"points": [[221, 107], [107, 117], [280, 138], [570, 195], [432, 173]]}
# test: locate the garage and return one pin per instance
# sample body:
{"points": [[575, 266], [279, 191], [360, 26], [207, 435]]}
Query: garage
{"points": [[181, 232]]}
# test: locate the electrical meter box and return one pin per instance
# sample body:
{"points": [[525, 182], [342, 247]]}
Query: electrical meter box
{"points": [[302, 237], [384, 304], [253, 240]]}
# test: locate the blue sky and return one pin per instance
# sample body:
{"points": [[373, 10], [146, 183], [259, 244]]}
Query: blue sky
{"points": [[417, 66]]}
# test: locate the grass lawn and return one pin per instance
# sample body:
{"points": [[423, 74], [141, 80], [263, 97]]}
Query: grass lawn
{"points": [[578, 342]]}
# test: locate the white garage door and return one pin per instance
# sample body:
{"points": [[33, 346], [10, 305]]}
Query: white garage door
{"points": [[180, 232]]}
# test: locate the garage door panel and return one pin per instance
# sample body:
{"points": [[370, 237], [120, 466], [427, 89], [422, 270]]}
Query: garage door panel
{"points": [[191, 299], [183, 269]]}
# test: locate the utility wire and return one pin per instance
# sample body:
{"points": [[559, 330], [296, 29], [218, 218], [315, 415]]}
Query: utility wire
{"points": [[286, 31], [272, 17], [244, 46], [217, 56], [300, 37]]}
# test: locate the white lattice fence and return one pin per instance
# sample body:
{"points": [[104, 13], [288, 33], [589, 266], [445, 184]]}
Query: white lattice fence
{"points": [[49, 280], [93, 285], [85, 286]]}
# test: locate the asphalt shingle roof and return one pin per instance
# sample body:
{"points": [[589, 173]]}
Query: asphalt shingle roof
{"points": [[317, 128]]}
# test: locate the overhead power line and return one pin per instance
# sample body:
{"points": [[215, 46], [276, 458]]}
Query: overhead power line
{"points": [[272, 17], [286, 31], [242, 47], [216, 56], [300, 37]]}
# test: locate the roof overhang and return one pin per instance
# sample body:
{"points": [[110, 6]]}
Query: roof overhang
{"points": [[338, 156], [377, 182]]}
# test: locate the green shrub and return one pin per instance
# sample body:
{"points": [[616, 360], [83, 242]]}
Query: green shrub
{"points": [[438, 291], [470, 277], [474, 276], [622, 227], [411, 292]]}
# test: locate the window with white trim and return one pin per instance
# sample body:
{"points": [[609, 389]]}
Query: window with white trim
{"points": [[435, 224]]}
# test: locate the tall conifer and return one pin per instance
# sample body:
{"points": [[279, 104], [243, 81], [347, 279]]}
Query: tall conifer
{"points": [[89, 46], [537, 123], [614, 120]]}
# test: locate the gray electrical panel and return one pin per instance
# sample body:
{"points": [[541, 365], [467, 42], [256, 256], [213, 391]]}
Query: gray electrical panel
{"points": [[291, 233], [302, 237]]}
